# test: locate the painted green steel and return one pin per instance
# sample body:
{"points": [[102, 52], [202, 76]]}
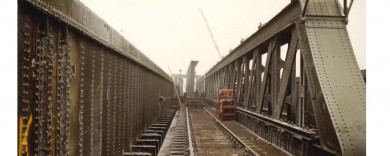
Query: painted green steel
{"points": [[338, 73], [285, 18], [332, 83]]}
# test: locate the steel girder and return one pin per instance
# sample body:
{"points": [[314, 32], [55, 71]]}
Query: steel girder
{"points": [[317, 86], [190, 78], [82, 88]]}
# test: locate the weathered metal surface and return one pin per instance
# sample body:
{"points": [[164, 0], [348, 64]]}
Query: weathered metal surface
{"points": [[210, 140], [78, 16], [281, 21], [252, 143], [152, 139], [287, 75], [339, 87], [311, 95], [232, 136], [83, 89], [182, 142]]}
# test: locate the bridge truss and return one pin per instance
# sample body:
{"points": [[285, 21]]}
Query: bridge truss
{"points": [[310, 101]]}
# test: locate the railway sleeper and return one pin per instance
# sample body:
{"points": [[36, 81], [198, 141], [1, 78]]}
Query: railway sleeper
{"points": [[152, 142], [163, 122], [145, 148], [165, 119], [180, 144], [233, 141], [160, 125], [179, 153], [157, 131], [152, 136], [136, 154]]}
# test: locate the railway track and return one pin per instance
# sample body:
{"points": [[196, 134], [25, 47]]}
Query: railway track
{"points": [[198, 132], [242, 137], [233, 137], [182, 143], [210, 139], [195, 132], [83, 89]]}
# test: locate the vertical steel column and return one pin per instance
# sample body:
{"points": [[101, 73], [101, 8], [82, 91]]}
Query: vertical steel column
{"points": [[246, 87], [231, 76], [251, 81], [259, 68], [239, 80], [275, 76], [191, 78], [235, 78]]}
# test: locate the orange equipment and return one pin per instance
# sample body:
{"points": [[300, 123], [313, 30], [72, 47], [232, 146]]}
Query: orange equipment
{"points": [[226, 105]]}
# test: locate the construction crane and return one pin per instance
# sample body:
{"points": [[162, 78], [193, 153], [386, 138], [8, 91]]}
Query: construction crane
{"points": [[211, 34]]}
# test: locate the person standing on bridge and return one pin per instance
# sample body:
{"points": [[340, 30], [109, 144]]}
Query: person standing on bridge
{"points": [[160, 102]]}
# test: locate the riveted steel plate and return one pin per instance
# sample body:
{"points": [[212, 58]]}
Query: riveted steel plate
{"points": [[341, 84], [79, 16], [323, 8]]}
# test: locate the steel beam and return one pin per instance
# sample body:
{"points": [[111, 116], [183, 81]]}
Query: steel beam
{"points": [[190, 79], [330, 90], [83, 89], [78, 16], [335, 79], [287, 17], [305, 133], [271, 49], [240, 80], [286, 77]]}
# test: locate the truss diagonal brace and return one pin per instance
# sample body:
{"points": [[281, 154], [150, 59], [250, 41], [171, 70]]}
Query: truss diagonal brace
{"points": [[290, 60], [271, 48]]}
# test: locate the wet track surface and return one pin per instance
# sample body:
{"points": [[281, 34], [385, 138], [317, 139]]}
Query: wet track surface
{"points": [[209, 138], [260, 146]]}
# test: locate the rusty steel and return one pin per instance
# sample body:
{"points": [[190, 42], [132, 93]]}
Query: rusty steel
{"points": [[190, 134], [82, 88], [307, 99]]}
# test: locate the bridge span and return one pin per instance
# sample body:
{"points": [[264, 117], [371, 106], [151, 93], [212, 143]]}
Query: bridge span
{"points": [[85, 90]]}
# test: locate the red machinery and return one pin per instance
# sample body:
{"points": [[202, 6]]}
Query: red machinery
{"points": [[226, 105]]}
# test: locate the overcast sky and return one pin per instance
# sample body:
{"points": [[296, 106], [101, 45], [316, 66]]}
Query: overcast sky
{"points": [[172, 32]]}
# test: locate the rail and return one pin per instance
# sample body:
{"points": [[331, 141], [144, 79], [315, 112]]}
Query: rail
{"points": [[311, 110], [249, 149], [191, 147]]}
